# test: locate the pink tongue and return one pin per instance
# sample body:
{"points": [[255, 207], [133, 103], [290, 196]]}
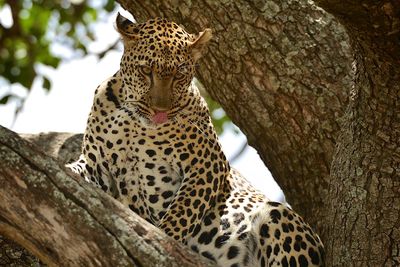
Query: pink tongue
{"points": [[160, 117]]}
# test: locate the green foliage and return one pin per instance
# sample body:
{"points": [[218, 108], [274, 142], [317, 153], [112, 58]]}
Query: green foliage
{"points": [[218, 115], [37, 24]]}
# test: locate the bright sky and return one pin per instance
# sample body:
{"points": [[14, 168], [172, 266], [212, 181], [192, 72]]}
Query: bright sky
{"points": [[66, 107]]}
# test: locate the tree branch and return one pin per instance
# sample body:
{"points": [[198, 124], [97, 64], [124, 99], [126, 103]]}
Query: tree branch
{"points": [[67, 222]]}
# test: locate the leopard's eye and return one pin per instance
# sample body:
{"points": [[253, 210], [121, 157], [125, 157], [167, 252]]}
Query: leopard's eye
{"points": [[182, 71], [146, 70]]}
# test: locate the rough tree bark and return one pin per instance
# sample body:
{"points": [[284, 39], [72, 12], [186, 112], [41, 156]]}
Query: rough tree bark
{"points": [[67, 222], [364, 193], [280, 70]]}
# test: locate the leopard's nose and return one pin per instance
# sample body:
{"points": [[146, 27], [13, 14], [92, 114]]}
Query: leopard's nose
{"points": [[160, 104], [160, 94]]}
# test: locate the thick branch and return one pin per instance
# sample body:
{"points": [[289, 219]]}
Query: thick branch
{"points": [[67, 222]]}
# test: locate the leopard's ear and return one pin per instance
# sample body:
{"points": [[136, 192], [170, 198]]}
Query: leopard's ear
{"points": [[126, 27], [200, 42]]}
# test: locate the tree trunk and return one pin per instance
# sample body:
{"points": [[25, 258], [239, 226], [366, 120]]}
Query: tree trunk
{"points": [[364, 191], [67, 222], [281, 71]]}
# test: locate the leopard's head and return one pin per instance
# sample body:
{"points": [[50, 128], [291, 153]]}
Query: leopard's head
{"points": [[158, 66]]}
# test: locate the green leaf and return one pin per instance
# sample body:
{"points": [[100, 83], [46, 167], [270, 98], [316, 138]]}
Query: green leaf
{"points": [[27, 75], [5, 99], [91, 15], [46, 83], [110, 5]]}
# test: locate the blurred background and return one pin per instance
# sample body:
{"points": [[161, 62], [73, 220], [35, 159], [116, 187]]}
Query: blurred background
{"points": [[53, 54]]}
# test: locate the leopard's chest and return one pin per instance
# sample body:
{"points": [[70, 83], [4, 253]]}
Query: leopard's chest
{"points": [[149, 187], [144, 168], [147, 162]]}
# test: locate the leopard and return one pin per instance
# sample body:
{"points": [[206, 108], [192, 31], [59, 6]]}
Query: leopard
{"points": [[150, 143]]}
